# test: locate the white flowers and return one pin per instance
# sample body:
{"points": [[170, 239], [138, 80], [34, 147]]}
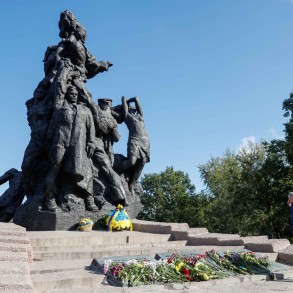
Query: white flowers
{"points": [[107, 264]]}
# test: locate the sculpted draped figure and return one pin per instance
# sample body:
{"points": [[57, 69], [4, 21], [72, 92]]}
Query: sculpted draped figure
{"points": [[71, 135], [73, 61], [69, 166]]}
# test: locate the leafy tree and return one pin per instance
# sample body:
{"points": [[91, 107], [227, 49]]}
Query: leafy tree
{"points": [[288, 143], [170, 196], [248, 190]]}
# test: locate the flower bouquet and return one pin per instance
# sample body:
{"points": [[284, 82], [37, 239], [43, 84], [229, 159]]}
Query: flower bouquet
{"points": [[118, 220], [85, 225], [249, 262], [178, 268]]}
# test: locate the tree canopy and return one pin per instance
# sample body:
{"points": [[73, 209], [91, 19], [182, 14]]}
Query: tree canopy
{"points": [[248, 191], [170, 196]]}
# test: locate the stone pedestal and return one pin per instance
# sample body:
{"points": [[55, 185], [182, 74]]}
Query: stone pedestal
{"points": [[30, 217], [33, 219]]}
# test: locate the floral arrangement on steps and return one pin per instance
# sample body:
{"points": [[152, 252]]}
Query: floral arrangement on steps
{"points": [[118, 220], [178, 268], [85, 225]]}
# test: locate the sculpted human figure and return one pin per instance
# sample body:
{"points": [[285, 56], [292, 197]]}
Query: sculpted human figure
{"points": [[71, 135], [138, 146], [103, 158], [74, 63], [108, 127], [39, 113], [13, 196]]}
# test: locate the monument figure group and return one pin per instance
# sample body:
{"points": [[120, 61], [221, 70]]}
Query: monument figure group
{"points": [[69, 167]]}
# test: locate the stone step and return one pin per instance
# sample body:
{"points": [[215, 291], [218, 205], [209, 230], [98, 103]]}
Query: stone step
{"points": [[270, 245], [183, 235], [286, 255], [17, 267], [61, 238], [14, 280], [16, 247], [11, 226], [10, 248], [14, 239], [13, 256], [215, 239], [87, 289], [249, 239], [158, 227], [108, 251], [17, 289], [8, 232], [197, 231], [51, 266], [72, 248], [57, 280]]}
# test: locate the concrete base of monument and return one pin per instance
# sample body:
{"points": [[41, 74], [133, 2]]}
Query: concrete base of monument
{"points": [[33, 219]]}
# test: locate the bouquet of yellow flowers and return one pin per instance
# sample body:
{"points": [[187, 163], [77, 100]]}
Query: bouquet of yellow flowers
{"points": [[85, 225]]}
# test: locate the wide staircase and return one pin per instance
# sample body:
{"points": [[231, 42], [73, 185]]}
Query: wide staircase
{"points": [[62, 259]]}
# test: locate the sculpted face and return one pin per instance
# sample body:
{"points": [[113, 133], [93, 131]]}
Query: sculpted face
{"points": [[71, 95], [105, 104]]}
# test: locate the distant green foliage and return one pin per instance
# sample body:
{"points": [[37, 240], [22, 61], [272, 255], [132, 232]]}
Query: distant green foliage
{"points": [[246, 191], [170, 196], [249, 191]]}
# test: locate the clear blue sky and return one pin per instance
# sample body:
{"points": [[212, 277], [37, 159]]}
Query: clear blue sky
{"points": [[209, 73]]}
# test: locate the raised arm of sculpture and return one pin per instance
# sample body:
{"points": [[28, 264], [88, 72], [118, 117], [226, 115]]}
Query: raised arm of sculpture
{"points": [[94, 67], [124, 107], [137, 105]]}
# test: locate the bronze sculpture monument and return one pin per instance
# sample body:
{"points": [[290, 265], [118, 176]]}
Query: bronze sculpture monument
{"points": [[69, 169]]}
